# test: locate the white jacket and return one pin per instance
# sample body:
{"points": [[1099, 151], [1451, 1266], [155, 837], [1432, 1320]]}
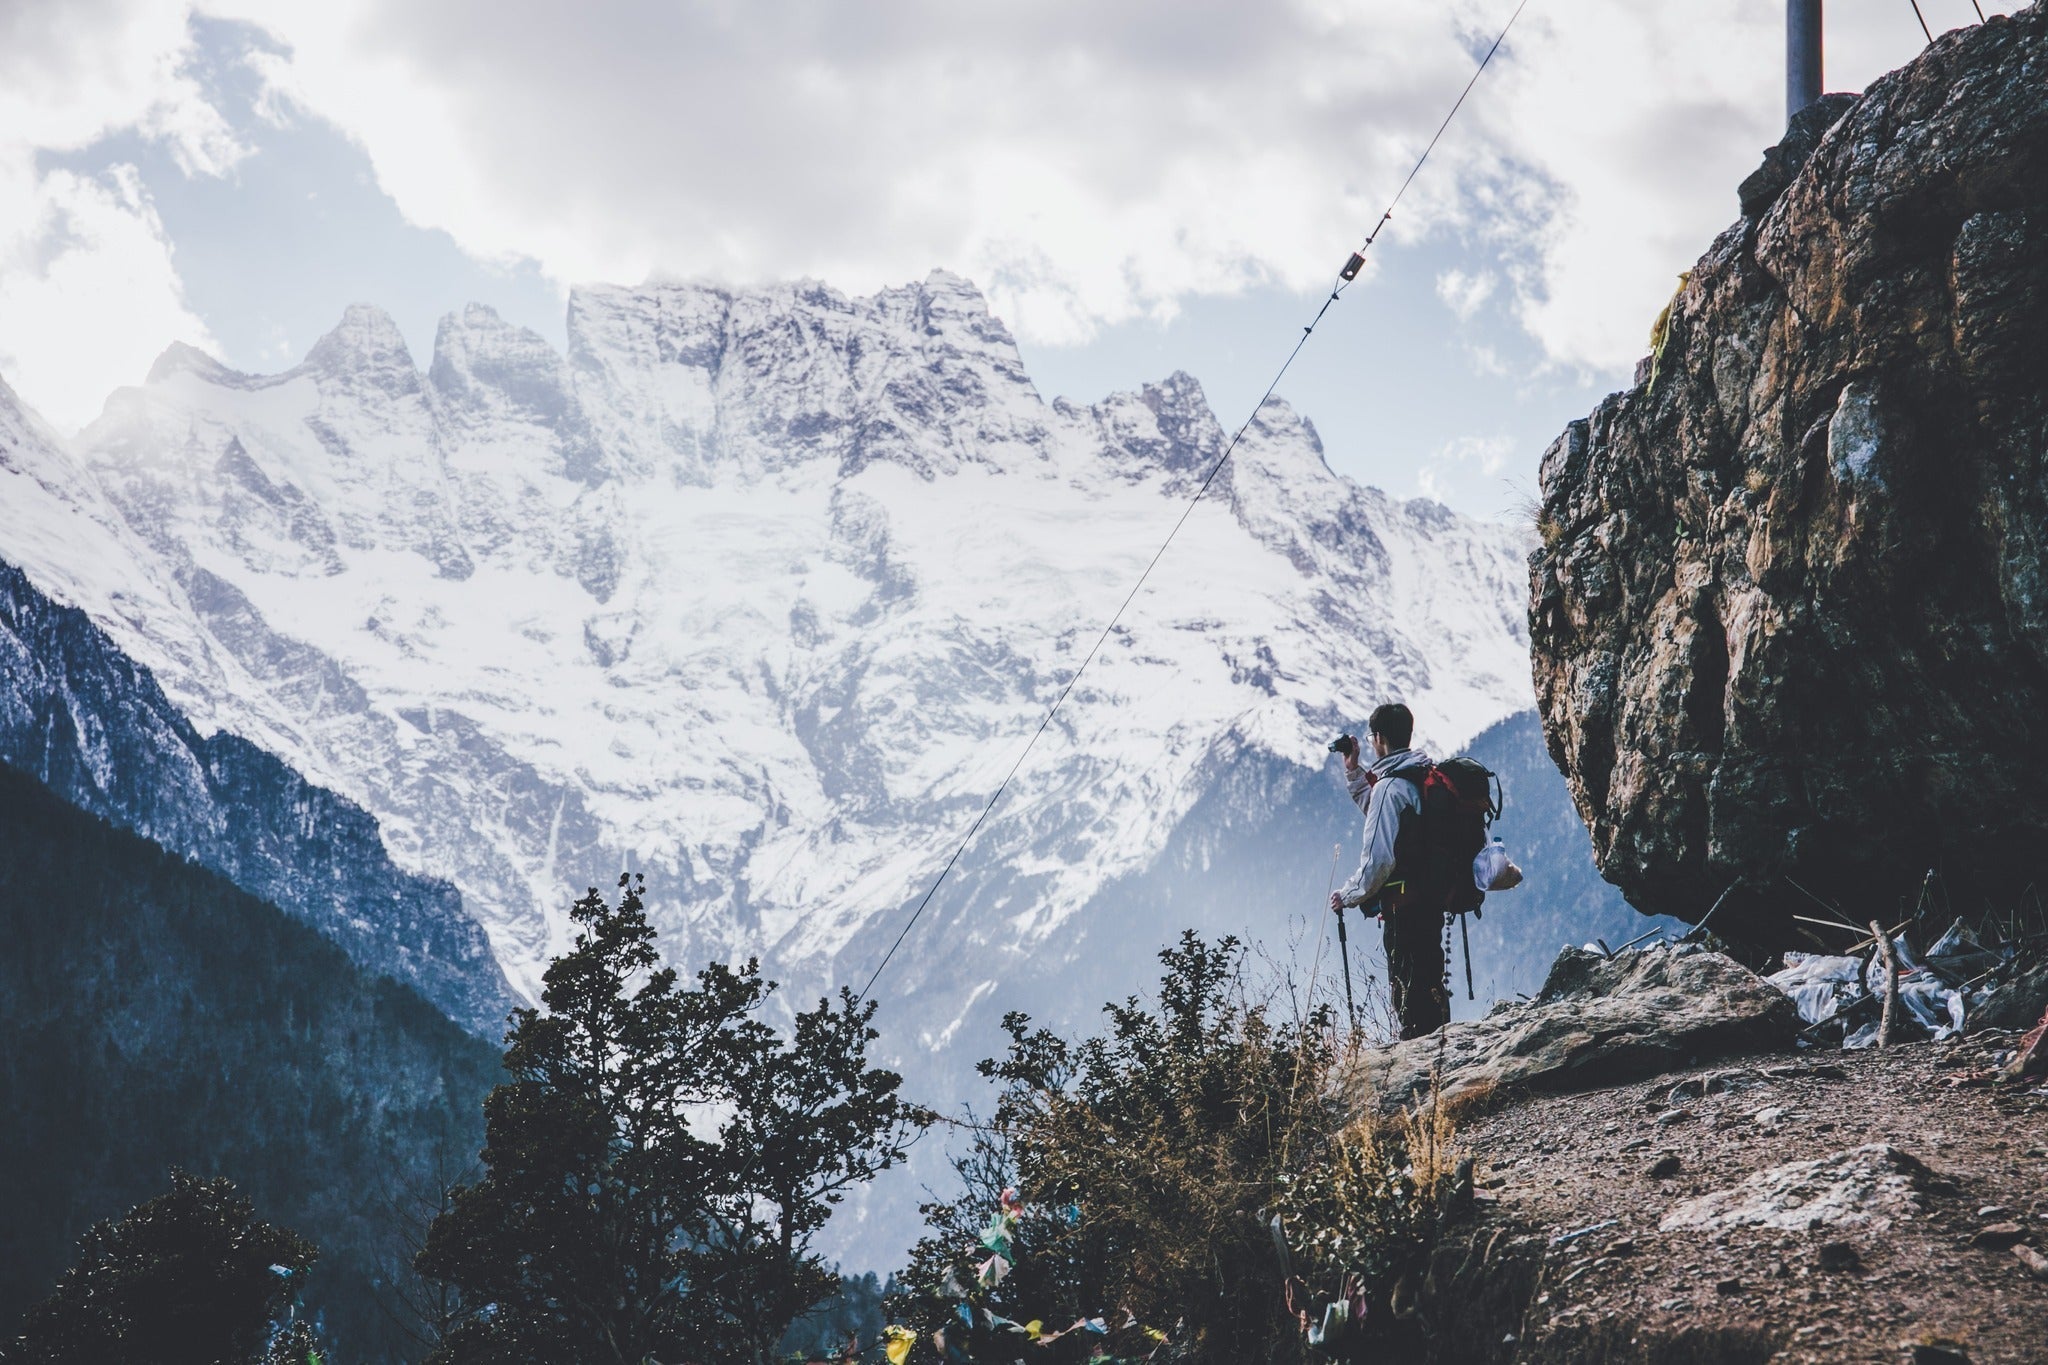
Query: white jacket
{"points": [[1383, 802]]}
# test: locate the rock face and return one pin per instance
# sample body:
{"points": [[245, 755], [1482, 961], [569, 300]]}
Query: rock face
{"points": [[1598, 1021], [1789, 616], [83, 719]]}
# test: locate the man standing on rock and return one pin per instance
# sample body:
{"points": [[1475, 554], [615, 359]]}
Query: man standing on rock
{"points": [[1413, 923]]}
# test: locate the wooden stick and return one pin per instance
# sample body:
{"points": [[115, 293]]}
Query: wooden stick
{"points": [[1828, 923], [1860, 944], [1891, 984], [1726, 892], [1825, 905]]}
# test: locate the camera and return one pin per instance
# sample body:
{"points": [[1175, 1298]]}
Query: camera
{"points": [[1346, 745]]}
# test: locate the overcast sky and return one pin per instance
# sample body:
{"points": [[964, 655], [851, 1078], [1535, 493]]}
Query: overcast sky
{"points": [[1138, 185]]}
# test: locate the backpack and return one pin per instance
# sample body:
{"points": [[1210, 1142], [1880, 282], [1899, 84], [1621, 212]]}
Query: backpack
{"points": [[1435, 846]]}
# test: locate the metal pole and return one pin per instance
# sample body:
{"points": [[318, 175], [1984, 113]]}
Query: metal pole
{"points": [[1344, 951], [1802, 55], [1466, 934]]}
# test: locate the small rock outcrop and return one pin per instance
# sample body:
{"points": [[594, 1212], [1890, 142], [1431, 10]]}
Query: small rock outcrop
{"points": [[1789, 616], [1870, 1186], [1597, 1021]]}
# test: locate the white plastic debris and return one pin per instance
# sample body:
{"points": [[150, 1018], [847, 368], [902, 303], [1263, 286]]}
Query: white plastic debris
{"points": [[1932, 1004], [1959, 956], [1819, 984]]}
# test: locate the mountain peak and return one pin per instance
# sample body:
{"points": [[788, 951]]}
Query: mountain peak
{"points": [[1180, 391], [1278, 419], [476, 346], [1164, 426], [954, 289], [479, 315], [365, 338], [491, 375], [954, 306]]}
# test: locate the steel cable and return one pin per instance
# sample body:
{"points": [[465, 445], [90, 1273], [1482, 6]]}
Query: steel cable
{"points": [[1342, 283]]}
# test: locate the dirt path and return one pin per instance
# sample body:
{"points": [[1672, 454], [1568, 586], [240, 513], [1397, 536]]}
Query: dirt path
{"points": [[1849, 1291]]}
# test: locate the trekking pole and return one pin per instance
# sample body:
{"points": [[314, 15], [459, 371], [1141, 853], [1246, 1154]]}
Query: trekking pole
{"points": [[1344, 951], [1466, 934]]}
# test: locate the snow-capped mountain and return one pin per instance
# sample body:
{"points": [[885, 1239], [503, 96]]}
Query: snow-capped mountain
{"points": [[760, 592]]}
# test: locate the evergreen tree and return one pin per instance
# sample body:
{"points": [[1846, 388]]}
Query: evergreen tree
{"points": [[191, 1277], [810, 1121], [608, 1228]]}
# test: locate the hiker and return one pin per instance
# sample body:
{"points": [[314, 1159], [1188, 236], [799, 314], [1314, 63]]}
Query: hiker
{"points": [[1413, 923]]}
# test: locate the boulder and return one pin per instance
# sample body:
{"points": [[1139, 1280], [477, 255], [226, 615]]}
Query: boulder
{"points": [[1803, 133], [1597, 1021], [2018, 1004], [1789, 612]]}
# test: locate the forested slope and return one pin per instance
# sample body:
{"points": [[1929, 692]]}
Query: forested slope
{"points": [[152, 1015]]}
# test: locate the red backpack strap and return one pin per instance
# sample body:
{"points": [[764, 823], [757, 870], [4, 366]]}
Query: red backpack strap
{"points": [[1420, 778]]}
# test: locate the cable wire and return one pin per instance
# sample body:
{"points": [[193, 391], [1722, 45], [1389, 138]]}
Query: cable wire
{"points": [[1923, 23], [1342, 283]]}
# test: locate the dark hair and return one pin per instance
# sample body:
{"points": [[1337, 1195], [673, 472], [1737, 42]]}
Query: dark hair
{"points": [[1393, 723]]}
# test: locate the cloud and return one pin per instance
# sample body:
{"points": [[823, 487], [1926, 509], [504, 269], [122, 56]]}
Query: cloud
{"points": [[1457, 459], [1087, 163], [1486, 360], [88, 295], [1623, 130], [1464, 292], [88, 289]]}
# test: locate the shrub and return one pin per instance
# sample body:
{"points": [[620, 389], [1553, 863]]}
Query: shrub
{"points": [[1152, 1161], [190, 1276]]}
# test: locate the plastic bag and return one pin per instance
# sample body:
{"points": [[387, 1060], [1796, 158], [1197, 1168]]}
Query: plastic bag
{"points": [[1819, 984], [1335, 1326], [1801, 968], [1873, 971], [1815, 1000], [1934, 1006], [1492, 871], [1958, 955]]}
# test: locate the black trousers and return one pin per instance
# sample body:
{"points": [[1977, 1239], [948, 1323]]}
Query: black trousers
{"points": [[1415, 967]]}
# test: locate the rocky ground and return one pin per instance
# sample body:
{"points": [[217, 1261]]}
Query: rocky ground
{"points": [[1917, 1231]]}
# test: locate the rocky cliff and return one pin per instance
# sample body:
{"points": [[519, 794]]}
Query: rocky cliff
{"points": [[82, 718], [1789, 615]]}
